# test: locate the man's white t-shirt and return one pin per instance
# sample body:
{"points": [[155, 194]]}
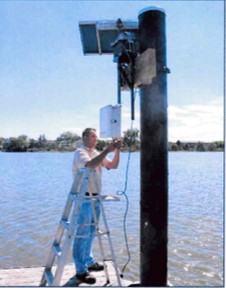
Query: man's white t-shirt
{"points": [[81, 157]]}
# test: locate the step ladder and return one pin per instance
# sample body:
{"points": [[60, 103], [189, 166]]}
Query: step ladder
{"points": [[68, 225]]}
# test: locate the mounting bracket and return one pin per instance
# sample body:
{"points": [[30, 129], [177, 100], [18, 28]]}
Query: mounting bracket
{"points": [[124, 50]]}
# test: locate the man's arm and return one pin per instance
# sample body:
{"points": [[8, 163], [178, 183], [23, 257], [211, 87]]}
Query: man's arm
{"points": [[93, 163], [113, 164]]}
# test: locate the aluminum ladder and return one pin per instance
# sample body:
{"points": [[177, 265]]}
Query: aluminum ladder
{"points": [[67, 228]]}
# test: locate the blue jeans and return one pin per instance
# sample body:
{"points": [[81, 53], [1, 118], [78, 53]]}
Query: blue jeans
{"points": [[82, 247]]}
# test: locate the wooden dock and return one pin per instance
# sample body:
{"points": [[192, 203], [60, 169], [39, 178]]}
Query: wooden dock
{"points": [[32, 277]]}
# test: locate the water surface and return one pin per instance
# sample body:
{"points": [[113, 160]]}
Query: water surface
{"points": [[33, 191]]}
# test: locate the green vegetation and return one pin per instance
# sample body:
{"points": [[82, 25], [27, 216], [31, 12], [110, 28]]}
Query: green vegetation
{"points": [[131, 140], [196, 146], [67, 141]]}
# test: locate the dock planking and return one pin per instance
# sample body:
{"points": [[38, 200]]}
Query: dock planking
{"points": [[31, 276]]}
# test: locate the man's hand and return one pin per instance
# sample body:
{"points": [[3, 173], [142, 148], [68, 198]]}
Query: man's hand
{"points": [[117, 144], [114, 146]]}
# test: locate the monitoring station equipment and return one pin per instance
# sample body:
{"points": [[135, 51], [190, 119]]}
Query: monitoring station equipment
{"points": [[110, 121], [119, 38]]}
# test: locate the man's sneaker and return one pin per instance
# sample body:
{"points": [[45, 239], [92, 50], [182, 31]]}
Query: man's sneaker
{"points": [[96, 267], [86, 278]]}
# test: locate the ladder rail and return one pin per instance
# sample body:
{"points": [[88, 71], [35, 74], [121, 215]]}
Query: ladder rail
{"points": [[82, 173], [99, 198], [111, 246], [57, 239], [96, 222], [71, 231]]}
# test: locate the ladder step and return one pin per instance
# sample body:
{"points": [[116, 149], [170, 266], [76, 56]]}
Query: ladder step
{"points": [[102, 233], [49, 277], [107, 259], [72, 195], [57, 250], [65, 223], [110, 198]]}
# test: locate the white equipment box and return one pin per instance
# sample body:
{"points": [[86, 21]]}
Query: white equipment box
{"points": [[110, 121]]}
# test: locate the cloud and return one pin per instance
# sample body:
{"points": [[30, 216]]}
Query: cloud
{"points": [[196, 122]]}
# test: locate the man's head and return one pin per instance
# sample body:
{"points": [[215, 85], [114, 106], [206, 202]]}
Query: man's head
{"points": [[89, 137]]}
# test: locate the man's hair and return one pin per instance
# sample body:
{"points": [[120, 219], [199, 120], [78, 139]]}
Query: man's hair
{"points": [[87, 131]]}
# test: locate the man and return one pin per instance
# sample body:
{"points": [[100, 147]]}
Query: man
{"points": [[88, 156]]}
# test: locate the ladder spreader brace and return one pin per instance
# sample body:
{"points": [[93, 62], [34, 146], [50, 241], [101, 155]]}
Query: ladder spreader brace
{"points": [[67, 226]]}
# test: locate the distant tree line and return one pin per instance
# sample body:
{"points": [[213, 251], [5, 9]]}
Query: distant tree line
{"points": [[65, 142], [196, 146], [68, 141]]}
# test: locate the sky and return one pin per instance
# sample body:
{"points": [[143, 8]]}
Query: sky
{"points": [[47, 85]]}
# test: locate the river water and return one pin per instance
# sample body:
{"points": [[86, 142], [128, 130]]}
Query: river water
{"points": [[34, 187]]}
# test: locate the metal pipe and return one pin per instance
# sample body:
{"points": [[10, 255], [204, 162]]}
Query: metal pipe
{"points": [[154, 154], [118, 83]]}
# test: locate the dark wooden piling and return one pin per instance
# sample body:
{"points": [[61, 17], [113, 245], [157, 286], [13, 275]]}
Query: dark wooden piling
{"points": [[154, 154]]}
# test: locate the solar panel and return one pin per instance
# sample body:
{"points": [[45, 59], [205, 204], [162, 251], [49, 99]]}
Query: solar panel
{"points": [[97, 36]]}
